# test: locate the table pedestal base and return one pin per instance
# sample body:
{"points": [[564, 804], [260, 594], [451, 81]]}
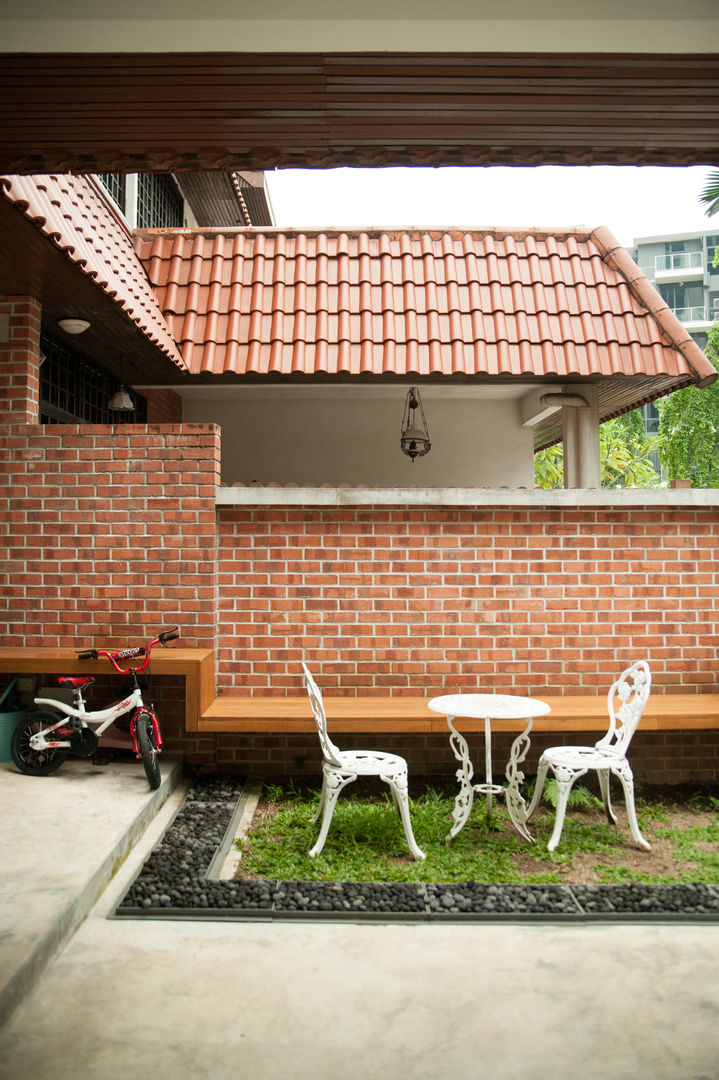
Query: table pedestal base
{"points": [[516, 805]]}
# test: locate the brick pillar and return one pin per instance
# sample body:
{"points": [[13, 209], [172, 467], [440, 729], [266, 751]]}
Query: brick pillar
{"points": [[19, 359]]}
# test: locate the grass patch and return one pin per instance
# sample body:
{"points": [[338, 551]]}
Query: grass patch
{"points": [[366, 842]]}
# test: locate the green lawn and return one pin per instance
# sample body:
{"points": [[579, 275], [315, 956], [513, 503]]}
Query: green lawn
{"points": [[366, 842]]}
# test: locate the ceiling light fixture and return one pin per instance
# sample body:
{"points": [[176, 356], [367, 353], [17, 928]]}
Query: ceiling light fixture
{"points": [[73, 326], [414, 439]]}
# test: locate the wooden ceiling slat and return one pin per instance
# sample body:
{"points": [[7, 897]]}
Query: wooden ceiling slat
{"points": [[208, 111]]}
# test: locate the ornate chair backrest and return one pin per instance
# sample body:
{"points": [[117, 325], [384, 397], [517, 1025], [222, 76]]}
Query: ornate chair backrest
{"points": [[625, 702], [329, 751]]}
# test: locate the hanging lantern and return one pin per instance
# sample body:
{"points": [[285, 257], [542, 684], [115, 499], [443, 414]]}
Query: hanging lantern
{"points": [[414, 439], [121, 401]]}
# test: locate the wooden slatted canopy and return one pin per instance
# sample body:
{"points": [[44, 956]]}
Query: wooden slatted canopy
{"points": [[191, 112]]}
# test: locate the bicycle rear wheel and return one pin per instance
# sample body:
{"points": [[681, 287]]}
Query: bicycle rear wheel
{"points": [[35, 762], [146, 744]]}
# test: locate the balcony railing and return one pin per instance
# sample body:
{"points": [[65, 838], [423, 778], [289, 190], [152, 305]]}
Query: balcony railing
{"points": [[678, 260], [695, 314]]}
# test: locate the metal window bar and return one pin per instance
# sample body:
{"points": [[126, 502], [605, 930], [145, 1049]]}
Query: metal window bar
{"points": [[159, 203], [115, 185]]}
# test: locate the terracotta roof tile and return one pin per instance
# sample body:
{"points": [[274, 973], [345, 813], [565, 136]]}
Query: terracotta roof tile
{"points": [[72, 212], [414, 303]]}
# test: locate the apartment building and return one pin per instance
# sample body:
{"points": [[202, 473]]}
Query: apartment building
{"points": [[680, 266]]}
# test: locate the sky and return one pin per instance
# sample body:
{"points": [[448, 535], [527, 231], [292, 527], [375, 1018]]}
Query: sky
{"points": [[633, 201]]}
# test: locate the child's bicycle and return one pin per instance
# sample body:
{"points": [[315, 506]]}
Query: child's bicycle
{"points": [[42, 741]]}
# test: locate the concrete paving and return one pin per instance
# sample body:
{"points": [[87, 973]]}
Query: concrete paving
{"points": [[292, 1000], [63, 837]]}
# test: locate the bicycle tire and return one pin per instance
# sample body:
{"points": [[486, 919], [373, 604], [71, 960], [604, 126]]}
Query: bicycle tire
{"points": [[35, 762], [149, 754]]}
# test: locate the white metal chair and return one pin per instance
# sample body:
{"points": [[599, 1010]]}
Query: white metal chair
{"points": [[340, 768], [626, 700]]}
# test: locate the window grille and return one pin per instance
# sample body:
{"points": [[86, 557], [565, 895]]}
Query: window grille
{"points": [[114, 184], [159, 203], [74, 391]]}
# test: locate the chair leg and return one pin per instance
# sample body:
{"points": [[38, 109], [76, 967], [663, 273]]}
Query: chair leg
{"points": [[398, 787], [542, 769], [323, 800], [603, 777], [331, 788], [565, 778], [627, 778]]}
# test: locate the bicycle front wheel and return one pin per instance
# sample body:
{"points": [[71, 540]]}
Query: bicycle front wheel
{"points": [[35, 762], [149, 754]]}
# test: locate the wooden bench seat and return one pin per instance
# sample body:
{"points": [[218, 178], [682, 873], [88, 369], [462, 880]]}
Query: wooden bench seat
{"points": [[196, 665], [272, 714], [378, 715]]}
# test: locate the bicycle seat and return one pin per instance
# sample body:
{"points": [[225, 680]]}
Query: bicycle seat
{"points": [[75, 682]]}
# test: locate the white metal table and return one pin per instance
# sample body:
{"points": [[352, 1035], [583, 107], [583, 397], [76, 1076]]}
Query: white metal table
{"points": [[489, 707]]}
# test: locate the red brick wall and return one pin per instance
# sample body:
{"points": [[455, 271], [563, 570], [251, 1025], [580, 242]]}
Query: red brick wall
{"points": [[109, 533], [419, 601], [112, 531], [426, 601], [19, 359]]}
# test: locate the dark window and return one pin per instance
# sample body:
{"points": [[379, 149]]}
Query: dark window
{"points": [[686, 301], [712, 245], [74, 391], [650, 416], [159, 203], [114, 183]]}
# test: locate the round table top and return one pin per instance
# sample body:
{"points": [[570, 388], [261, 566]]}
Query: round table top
{"points": [[489, 706]]}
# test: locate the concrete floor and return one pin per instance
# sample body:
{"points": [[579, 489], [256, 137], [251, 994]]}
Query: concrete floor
{"points": [[152, 999]]}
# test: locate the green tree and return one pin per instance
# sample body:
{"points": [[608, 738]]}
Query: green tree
{"points": [[688, 439], [625, 454], [549, 467]]}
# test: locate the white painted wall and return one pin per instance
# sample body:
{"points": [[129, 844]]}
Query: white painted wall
{"points": [[348, 436]]}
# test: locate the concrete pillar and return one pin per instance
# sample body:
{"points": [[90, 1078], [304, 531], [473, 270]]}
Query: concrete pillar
{"points": [[580, 436]]}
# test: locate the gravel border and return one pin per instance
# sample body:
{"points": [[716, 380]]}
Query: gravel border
{"points": [[174, 883]]}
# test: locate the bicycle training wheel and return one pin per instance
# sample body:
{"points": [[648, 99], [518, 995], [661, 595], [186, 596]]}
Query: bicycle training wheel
{"points": [[35, 762], [147, 746]]}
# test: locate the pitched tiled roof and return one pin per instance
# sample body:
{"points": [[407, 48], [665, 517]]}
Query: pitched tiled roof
{"points": [[74, 215], [501, 302]]}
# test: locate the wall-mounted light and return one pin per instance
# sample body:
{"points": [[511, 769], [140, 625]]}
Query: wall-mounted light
{"points": [[73, 326], [121, 401], [414, 439]]}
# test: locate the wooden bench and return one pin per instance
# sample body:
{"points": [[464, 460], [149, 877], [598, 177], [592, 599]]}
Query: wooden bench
{"points": [[196, 665], [271, 714], [264, 713]]}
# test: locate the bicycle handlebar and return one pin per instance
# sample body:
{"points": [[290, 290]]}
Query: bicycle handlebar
{"points": [[127, 654]]}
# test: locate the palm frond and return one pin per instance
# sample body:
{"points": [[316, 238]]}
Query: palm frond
{"points": [[710, 194]]}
